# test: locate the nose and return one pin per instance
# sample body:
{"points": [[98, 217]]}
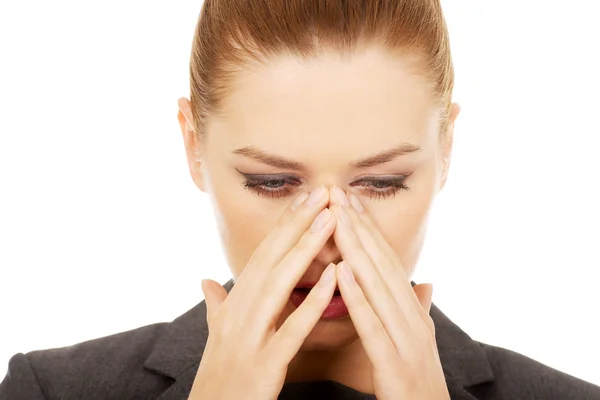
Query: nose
{"points": [[329, 253]]}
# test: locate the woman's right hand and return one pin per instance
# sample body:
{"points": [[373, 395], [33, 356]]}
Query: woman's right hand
{"points": [[245, 356]]}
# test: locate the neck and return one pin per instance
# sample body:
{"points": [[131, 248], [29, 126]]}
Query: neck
{"points": [[349, 366]]}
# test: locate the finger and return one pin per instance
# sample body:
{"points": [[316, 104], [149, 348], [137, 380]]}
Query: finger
{"points": [[374, 288], [386, 261], [376, 342], [285, 276], [289, 337], [408, 319], [287, 232], [424, 292], [214, 296]]}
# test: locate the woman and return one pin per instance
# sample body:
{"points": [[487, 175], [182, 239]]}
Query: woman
{"points": [[322, 131]]}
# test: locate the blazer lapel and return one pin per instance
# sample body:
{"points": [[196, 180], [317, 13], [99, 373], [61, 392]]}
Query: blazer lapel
{"points": [[178, 351]]}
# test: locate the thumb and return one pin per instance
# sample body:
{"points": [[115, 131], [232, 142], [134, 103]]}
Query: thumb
{"points": [[424, 292], [214, 296]]}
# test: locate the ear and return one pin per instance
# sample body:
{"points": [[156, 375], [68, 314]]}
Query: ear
{"points": [[446, 143], [192, 145]]}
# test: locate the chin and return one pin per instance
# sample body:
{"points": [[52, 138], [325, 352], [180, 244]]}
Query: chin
{"points": [[330, 335], [327, 334]]}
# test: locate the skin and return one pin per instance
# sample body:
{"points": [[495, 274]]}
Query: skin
{"points": [[323, 114]]}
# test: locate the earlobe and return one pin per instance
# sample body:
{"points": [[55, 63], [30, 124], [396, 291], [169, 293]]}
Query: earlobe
{"points": [[190, 141]]}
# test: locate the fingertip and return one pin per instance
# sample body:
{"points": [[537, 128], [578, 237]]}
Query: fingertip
{"points": [[424, 292], [429, 297], [338, 272], [203, 284], [327, 276], [206, 285], [345, 273]]}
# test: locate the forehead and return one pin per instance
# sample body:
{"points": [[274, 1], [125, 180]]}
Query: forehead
{"points": [[364, 103]]}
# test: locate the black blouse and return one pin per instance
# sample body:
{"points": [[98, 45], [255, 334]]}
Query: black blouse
{"points": [[160, 361]]}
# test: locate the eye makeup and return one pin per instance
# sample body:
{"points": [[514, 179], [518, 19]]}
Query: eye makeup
{"points": [[271, 185], [376, 187], [381, 186]]}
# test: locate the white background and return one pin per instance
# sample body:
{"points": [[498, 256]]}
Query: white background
{"points": [[102, 229]]}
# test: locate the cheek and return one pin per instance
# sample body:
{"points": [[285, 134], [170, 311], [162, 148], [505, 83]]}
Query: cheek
{"points": [[243, 225], [243, 218], [403, 222], [401, 227]]}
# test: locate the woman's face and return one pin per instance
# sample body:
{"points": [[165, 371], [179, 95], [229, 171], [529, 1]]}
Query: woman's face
{"points": [[317, 123]]}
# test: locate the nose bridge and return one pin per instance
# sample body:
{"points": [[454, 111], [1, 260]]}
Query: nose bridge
{"points": [[327, 179]]}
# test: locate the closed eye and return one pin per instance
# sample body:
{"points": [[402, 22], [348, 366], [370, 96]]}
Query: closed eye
{"points": [[381, 187], [271, 185], [281, 185]]}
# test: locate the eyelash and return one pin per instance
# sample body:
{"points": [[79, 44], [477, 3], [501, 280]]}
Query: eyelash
{"points": [[257, 184]]}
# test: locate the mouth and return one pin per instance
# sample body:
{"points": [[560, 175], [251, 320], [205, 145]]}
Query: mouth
{"points": [[304, 288], [335, 309]]}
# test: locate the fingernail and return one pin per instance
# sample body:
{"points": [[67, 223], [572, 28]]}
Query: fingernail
{"points": [[347, 274], [316, 196], [320, 221], [327, 275], [340, 196], [299, 200], [356, 203], [343, 216]]}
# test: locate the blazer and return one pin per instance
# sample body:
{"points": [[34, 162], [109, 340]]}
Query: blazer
{"points": [[160, 361]]}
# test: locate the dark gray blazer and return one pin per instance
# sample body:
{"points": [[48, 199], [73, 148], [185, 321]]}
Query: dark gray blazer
{"points": [[160, 361]]}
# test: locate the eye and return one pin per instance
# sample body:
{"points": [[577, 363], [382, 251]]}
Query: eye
{"points": [[273, 186], [381, 187]]}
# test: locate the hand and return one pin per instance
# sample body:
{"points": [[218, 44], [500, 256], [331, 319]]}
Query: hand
{"points": [[391, 317], [245, 356]]}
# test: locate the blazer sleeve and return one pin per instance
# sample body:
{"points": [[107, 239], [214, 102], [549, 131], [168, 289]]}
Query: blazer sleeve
{"points": [[20, 381]]}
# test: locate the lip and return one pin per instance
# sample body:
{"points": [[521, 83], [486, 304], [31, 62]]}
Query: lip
{"points": [[335, 309], [310, 285]]}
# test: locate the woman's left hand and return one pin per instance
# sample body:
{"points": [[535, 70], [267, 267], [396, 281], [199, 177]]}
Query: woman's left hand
{"points": [[390, 316]]}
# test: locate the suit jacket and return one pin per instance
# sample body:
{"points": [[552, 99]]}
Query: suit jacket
{"points": [[159, 361]]}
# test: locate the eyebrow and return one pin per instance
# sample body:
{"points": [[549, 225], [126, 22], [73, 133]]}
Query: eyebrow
{"points": [[283, 163]]}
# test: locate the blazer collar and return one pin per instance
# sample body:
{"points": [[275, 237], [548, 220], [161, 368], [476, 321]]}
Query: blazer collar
{"points": [[178, 351]]}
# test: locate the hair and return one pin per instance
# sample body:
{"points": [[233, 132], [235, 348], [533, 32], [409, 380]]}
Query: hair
{"points": [[233, 35]]}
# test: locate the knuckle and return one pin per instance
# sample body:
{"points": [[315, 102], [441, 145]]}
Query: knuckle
{"points": [[429, 324], [272, 279], [393, 258], [381, 259], [220, 329], [361, 230], [305, 243], [288, 334], [253, 261], [270, 360], [286, 217], [373, 329], [412, 359], [390, 361], [424, 337], [283, 224], [299, 217]]}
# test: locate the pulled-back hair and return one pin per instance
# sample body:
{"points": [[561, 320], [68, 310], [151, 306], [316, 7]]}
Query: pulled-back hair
{"points": [[232, 35]]}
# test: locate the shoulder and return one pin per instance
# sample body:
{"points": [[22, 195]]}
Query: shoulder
{"points": [[520, 377], [106, 367]]}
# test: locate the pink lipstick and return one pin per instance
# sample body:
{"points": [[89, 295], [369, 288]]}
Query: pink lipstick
{"points": [[335, 309]]}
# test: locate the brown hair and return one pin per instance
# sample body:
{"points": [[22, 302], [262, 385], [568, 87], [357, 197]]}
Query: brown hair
{"points": [[233, 34]]}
